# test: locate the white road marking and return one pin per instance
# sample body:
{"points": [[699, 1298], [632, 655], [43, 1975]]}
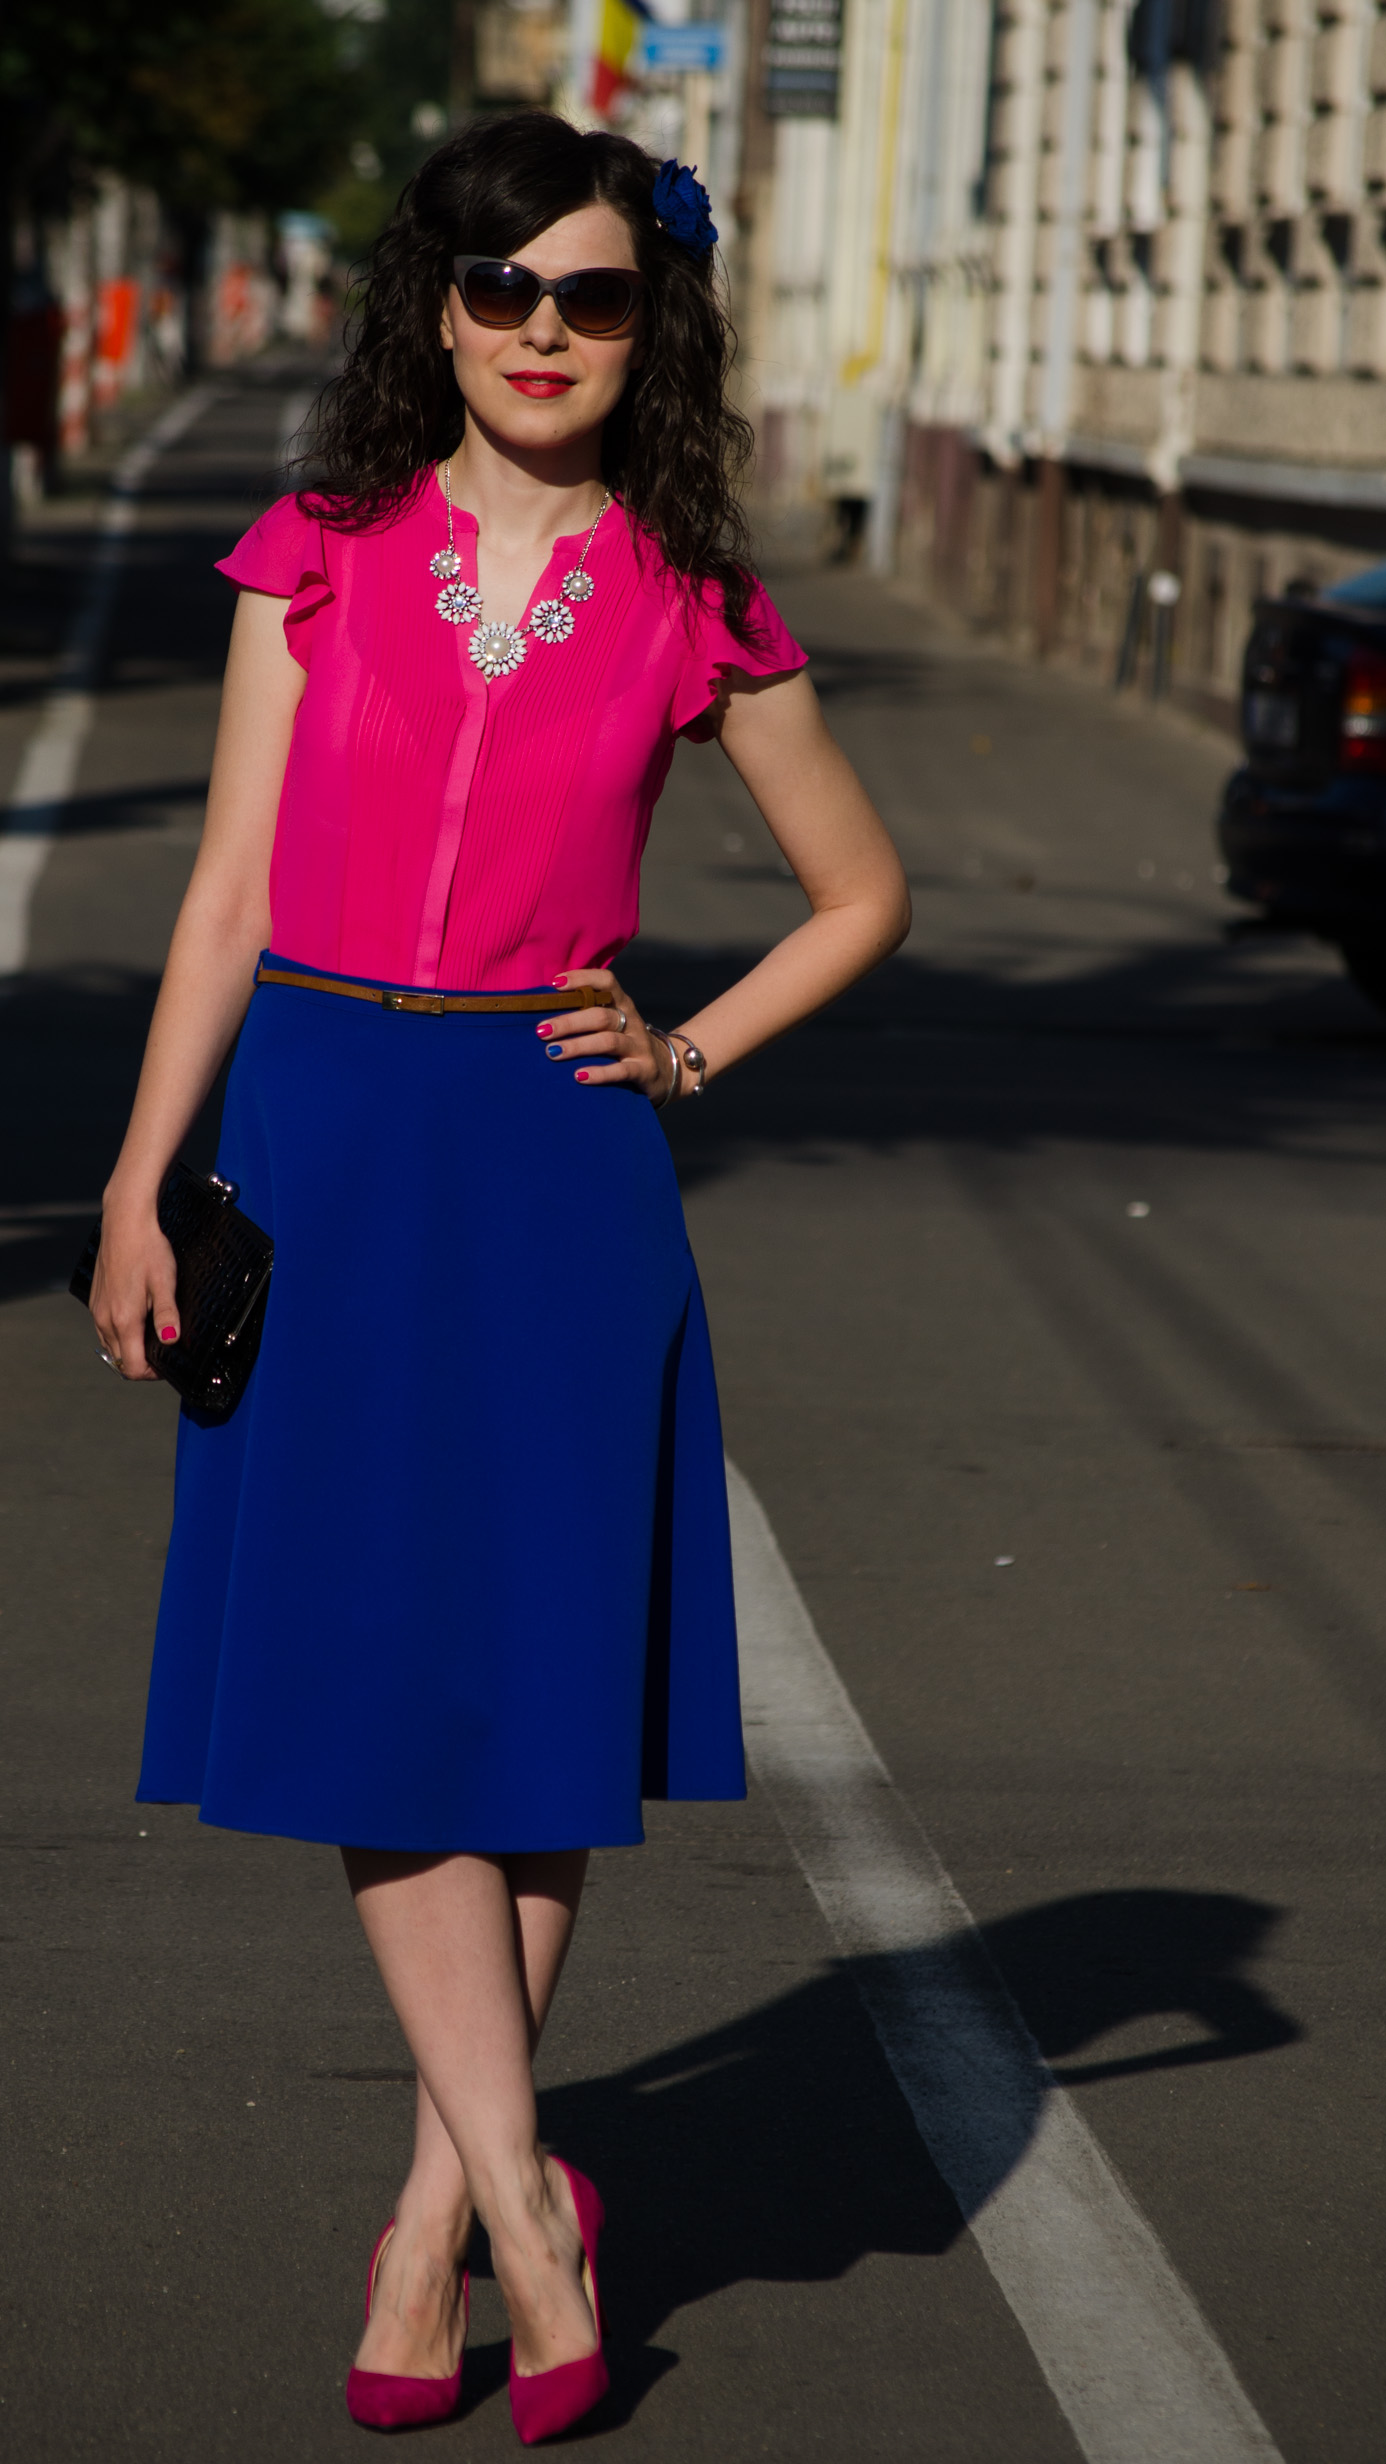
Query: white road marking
{"points": [[48, 771], [1137, 2370]]}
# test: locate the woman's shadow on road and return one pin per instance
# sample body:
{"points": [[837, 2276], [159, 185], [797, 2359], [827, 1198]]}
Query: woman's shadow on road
{"points": [[779, 2149]]}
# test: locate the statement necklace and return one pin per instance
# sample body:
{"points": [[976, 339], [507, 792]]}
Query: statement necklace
{"points": [[499, 649]]}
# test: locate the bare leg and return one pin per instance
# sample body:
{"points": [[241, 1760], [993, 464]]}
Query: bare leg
{"points": [[471, 1950], [546, 1889]]}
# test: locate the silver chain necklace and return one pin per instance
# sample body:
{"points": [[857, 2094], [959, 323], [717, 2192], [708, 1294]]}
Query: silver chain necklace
{"points": [[499, 649]]}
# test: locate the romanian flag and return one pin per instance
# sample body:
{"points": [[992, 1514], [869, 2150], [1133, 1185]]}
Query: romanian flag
{"points": [[618, 32]]}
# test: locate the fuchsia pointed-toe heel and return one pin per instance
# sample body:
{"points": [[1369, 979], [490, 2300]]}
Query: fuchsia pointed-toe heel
{"points": [[552, 2400], [378, 2400]]}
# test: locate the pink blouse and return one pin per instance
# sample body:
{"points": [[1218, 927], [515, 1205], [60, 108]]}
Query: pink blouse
{"points": [[434, 829]]}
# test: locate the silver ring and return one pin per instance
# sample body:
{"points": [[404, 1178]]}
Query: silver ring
{"points": [[620, 1022], [108, 1357]]}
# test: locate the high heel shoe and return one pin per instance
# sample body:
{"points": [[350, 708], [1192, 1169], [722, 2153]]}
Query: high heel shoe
{"points": [[380, 2401], [552, 2400]]}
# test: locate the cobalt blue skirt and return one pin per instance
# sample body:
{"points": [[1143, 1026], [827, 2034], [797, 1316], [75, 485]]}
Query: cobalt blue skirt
{"points": [[455, 1574]]}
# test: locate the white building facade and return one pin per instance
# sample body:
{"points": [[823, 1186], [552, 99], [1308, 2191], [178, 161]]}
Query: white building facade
{"points": [[1071, 291], [871, 313]]}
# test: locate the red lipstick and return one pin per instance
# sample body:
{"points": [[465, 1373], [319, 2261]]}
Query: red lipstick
{"points": [[539, 388]]}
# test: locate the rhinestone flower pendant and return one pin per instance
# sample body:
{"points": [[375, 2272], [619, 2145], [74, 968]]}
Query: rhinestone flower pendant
{"points": [[446, 565], [458, 602], [497, 650], [551, 621], [577, 586]]}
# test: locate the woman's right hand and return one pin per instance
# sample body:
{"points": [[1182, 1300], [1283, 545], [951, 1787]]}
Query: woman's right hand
{"points": [[135, 1272], [223, 923]]}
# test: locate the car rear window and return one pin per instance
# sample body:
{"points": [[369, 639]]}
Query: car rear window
{"points": [[1362, 590]]}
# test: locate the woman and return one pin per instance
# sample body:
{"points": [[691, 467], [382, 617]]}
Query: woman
{"points": [[451, 1585]]}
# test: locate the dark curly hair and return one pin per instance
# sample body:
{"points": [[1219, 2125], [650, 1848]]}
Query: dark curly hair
{"points": [[673, 449]]}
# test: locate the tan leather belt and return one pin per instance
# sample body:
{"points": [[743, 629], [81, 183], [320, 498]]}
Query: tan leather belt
{"points": [[435, 1004]]}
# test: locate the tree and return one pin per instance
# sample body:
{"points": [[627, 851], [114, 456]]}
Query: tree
{"points": [[407, 77], [232, 103], [237, 103]]}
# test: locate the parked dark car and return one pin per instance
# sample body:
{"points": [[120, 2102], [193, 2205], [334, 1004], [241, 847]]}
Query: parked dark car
{"points": [[1303, 822]]}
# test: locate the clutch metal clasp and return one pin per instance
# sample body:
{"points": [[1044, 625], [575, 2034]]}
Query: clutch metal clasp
{"points": [[227, 1191], [255, 1290]]}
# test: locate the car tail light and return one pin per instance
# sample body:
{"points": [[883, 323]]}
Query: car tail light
{"points": [[1363, 725]]}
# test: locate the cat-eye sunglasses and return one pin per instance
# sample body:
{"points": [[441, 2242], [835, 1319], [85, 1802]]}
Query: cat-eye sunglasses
{"points": [[597, 301]]}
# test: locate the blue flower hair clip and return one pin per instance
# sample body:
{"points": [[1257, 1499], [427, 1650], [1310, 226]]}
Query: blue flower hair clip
{"points": [[682, 208]]}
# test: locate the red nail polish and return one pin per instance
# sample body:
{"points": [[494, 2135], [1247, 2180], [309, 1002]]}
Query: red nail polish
{"points": [[559, 982], [546, 1029], [581, 1075], [168, 1334]]}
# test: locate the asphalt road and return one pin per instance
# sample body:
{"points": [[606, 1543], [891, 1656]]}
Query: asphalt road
{"points": [[1086, 1505]]}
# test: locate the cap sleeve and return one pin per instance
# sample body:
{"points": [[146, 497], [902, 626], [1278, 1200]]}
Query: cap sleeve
{"points": [[284, 554], [713, 649]]}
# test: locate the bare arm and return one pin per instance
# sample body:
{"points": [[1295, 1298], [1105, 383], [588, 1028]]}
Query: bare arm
{"points": [[825, 824], [830, 832], [222, 926]]}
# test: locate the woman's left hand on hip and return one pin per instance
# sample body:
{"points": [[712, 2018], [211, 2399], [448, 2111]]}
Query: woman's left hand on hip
{"points": [[612, 1041]]}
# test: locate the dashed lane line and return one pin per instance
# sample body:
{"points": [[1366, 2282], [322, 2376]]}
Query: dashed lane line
{"points": [[1133, 2363], [48, 770]]}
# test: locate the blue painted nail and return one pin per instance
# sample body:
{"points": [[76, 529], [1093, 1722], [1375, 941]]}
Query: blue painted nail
{"points": [[554, 1051]]}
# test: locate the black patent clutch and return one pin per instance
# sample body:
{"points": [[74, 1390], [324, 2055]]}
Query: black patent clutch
{"points": [[224, 1263]]}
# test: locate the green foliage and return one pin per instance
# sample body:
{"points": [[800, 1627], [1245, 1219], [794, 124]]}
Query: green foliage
{"points": [[237, 103], [409, 66], [405, 59], [358, 211]]}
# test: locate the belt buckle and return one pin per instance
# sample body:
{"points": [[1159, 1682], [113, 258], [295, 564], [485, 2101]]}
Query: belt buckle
{"points": [[429, 1004]]}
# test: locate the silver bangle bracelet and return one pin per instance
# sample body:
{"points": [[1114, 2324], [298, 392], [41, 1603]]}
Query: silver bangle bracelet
{"points": [[694, 1060], [673, 1087]]}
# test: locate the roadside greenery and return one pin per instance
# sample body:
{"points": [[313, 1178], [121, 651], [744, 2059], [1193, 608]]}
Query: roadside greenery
{"points": [[232, 103], [406, 76], [242, 104]]}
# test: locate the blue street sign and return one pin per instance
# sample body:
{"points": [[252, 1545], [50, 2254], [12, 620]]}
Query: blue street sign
{"points": [[667, 50]]}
